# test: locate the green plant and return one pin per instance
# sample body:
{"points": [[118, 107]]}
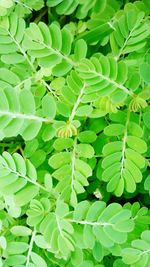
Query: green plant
{"points": [[75, 133]]}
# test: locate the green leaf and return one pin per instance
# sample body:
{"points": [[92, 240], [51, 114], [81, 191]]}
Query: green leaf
{"points": [[27, 97], [87, 137], [85, 150], [62, 143], [80, 50], [84, 111], [77, 257], [48, 133], [114, 129], [13, 78], [16, 260], [3, 242], [98, 252], [83, 167], [25, 195], [147, 183], [137, 144], [146, 119], [48, 107], [20, 230], [97, 34], [17, 248], [144, 71], [38, 260], [59, 159]]}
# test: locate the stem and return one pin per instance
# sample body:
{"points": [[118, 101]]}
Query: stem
{"points": [[124, 143], [22, 4], [48, 87], [56, 52], [117, 85], [53, 261], [26, 178], [111, 25], [73, 164], [90, 223], [125, 43], [41, 15], [145, 252], [22, 82], [30, 248], [58, 224], [73, 113], [22, 51], [24, 116]]}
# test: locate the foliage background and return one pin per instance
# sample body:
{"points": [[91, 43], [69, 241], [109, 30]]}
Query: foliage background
{"points": [[75, 133]]}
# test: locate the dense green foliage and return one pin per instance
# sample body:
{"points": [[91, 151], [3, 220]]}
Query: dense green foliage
{"points": [[75, 133]]}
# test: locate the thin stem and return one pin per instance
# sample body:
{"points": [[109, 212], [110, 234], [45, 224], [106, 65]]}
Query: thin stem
{"points": [[145, 252], [51, 260], [24, 116], [22, 4], [58, 224], [22, 51], [26, 178], [125, 43], [90, 223], [140, 117], [111, 25], [41, 15], [42, 81], [22, 82], [73, 164], [99, 156], [124, 143], [50, 90], [117, 85], [30, 248], [74, 110], [56, 52]]}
